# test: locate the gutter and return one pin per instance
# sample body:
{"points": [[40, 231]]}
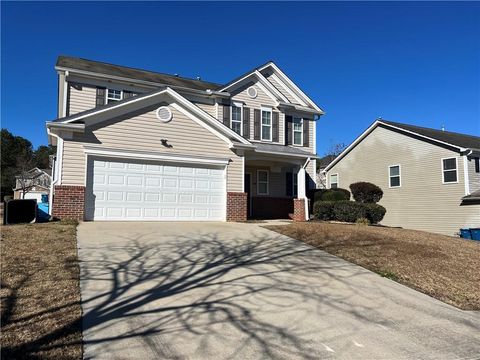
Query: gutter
{"points": [[299, 108], [56, 169]]}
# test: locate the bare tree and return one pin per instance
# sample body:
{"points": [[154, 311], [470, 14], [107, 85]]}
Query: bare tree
{"points": [[27, 178], [332, 152]]}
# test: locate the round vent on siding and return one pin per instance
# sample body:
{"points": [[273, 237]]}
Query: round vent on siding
{"points": [[164, 114], [252, 92]]}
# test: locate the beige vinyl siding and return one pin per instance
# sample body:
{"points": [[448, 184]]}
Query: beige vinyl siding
{"points": [[311, 170], [209, 109], [422, 202], [273, 79], [262, 99], [276, 181], [473, 177], [143, 132], [81, 98]]}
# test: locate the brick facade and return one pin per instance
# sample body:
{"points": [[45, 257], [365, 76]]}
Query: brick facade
{"points": [[271, 207], [298, 210], [236, 206], [69, 202]]}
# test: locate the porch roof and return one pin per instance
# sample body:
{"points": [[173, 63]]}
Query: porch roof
{"points": [[263, 148]]}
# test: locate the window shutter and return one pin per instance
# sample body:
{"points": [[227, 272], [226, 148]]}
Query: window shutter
{"points": [[100, 99], [306, 123], [226, 115], [256, 124], [275, 127], [289, 184], [289, 129], [246, 122]]}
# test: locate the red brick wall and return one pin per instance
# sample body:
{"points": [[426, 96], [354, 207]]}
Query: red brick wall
{"points": [[236, 206], [68, 202], [271, 207], [298, 210]]}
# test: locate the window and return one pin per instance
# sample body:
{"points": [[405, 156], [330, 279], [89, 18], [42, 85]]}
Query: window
{"points": [[295, 184], [298, 131], [113, 95], [333, 181], [267, 124], [394, 176], [449, 167], [236, 120], [262, 182], [477, 164]]}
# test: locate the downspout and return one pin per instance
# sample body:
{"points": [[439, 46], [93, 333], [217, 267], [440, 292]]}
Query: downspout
{"points": [[55, 169], [305, 199]]}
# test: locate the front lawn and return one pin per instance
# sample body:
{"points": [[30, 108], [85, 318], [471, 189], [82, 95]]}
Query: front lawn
{"points": [[443, 267], [40, 295]]}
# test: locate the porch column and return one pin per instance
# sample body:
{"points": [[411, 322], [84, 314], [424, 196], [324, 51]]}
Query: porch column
{"points": [[300, 204]]}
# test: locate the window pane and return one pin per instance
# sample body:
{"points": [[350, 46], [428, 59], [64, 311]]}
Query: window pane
{"points": [[297, 138], [334, 186], [262, 176], [449, 164], [236, 113], [395, 171], [266, 117], [237, 127], [395, 181], [297, 124], [262, 188], [333, 179], [266, 132], [450, 176]]}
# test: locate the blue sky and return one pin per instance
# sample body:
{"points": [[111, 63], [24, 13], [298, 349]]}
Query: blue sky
{"points": [[409, 62]]}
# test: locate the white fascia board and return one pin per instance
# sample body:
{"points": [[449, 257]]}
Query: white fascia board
{"points": [[151, 155], [290, 106], [66, 126], [285, 154], [290, 83]]}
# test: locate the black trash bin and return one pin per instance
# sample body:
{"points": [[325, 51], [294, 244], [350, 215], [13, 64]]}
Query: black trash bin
{"points": [[20, 211]]}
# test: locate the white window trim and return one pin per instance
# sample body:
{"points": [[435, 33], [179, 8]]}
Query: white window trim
{"points": [[268, 182], [443, 170], [330, 180], [239, 105], [399, 176], [107, 98], [293, 130], [261, 123]]}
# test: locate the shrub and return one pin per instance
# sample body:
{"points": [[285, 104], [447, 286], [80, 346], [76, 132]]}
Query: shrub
{"points": [[375, 212], [365, 192], [323, 210], [345, 192], [362, 221], [333, 195], [348, 211]]}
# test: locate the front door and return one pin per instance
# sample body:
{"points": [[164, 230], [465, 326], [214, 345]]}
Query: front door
{"points": [[247, 189]]}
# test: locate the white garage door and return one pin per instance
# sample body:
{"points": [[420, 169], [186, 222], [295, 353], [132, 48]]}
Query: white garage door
{"points": [[134, 190]]}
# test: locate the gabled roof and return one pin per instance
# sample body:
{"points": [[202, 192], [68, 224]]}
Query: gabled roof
{"points": [[462, 140], [77, 121], [97, 67], [452, 140]]}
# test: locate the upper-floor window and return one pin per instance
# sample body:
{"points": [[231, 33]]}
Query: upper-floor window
{"points": [[297, 131], [266, 124], [262, 182], [449, 169], [333, 181], [394, 176], [114, 95], [236, 120]]}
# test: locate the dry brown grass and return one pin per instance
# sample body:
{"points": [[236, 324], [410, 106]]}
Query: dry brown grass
{"points": [[40, 295], [443, 267]]}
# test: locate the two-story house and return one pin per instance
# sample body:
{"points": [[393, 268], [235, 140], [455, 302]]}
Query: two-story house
{"points": [[430, 178], [141, 145]]}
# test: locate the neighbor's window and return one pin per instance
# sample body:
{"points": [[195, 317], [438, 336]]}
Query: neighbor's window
{"points": [[298, 131], [295, 184], [333, 181], [394, 175], [113, 95], [477, 164], [236, 121], [449, 170], [267, 124], [262, 182]]}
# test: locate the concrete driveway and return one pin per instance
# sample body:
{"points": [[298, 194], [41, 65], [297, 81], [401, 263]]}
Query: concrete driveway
{"points": [[238, 291]]}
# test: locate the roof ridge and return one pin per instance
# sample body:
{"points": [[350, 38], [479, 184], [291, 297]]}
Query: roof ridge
{"points": [[137, 69], [428, 128]]}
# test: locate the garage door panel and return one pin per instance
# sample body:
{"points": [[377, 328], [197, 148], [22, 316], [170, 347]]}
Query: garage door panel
{"points": [[134, 190]]}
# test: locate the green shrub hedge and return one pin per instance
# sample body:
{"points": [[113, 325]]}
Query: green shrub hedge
{"points": [[348, 211], [375, 212], [323, 210], [365, 192]]}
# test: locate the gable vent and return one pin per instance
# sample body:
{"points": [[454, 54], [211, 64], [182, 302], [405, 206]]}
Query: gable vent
{"points": [[164, 114], [252, 92]]}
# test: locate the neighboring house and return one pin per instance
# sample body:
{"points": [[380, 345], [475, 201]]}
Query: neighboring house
{"points": [[140, 145], [32, 185], [425, 174], [322, 163]]}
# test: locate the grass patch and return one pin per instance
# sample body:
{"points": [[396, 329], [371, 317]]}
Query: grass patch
{"points": [[443, 267], [40, 294]]}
